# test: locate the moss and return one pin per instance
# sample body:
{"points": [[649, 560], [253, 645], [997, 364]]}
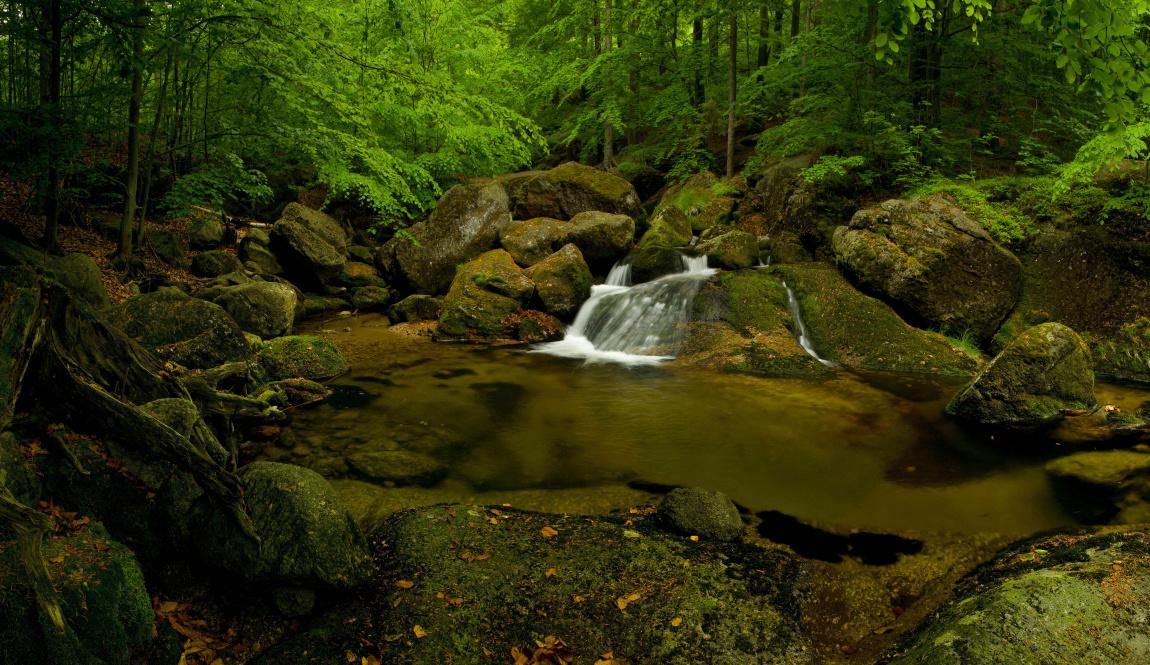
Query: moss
{"points": [[301, 356], [669, 228], [562, 281], [356, 274], [856, 330]]}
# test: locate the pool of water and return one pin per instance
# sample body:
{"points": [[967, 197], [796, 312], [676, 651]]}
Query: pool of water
{"points": [[859, 450]]}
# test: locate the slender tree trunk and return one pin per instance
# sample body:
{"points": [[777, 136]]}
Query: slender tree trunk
{"points": [[806, 31], [764, 38], [796, 13], [51, 240], [697, 56], [151, 167], [124, 248], [731, 97], [608, 131]]}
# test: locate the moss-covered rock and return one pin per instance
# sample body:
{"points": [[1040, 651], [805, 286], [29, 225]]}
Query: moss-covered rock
{"points": [[322, 224], [316, 304], [570, 189], [1062, 599], [80, 273], [933, 263], [301, 356], [356, 274], [101, 588], [562, 282], [486, 292], [370, 298], [694, 511], [301, 391], [601, 237], [168, 247], [397, 467], [534, 326], [1095, 485], [307, 259], [785, 247], [415, 308], [1043, 371], [185, 330], [669, 227], [256, 251], [214, 263], [856, 330], [15, 472], [205, 234], [465, 223], [266, 309], [703, 199], [648, 263], [734, 250], [479, 590]]}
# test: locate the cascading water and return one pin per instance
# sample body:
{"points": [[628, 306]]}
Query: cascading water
{"points": [[804, 338], [641, 324]]}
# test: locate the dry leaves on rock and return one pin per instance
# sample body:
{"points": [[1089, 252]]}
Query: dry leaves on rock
{"points": [[551, 651], [548, 532]]}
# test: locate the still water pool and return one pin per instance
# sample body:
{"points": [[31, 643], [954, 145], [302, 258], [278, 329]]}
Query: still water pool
{"points": [[857, 450]]}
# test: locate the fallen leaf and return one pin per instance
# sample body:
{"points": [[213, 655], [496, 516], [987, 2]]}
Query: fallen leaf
{"points": [[549, 573], [632, 597], [492, 520], [483, 557], [351, 657], [495, 512], [883, 630], [57, 559], [695, 538], [621, 604], [548, 532], [848, 650], [419, 631], [397, 602], [676, 621], [439, 595], [577, 599], [404, 584]]}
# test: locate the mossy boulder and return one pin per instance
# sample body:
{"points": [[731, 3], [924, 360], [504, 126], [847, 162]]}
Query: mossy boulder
{"points": [[1062, 599], [106, 607], [734, 250], [314, 304], [694, 511], [168, 247], [534, 326], [182, 329], [82, 276], [15, 472], [703, 200], [322, 224], [648, 263], [397, 467], [1043, 371], [562, 282], [301, 356], [182, 416], [570, 189], [308, 537], [931, 262], [1095, 485], [307, 259], [856, 330], [370, 298], [465, 223], [484, 295], [259, 254], [356, 274], [266, 309], [740, 323], [214, 263], [669, 227], [415, 308], [301, 391], [785, 247], [205, 234], [621, 584], [602, 238]]}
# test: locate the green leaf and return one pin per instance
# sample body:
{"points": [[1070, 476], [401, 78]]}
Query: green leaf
{"points": [[881, 39], [1061, 61]]}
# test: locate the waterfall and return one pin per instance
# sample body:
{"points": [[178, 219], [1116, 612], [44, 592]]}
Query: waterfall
{"points": [[801, 328], [641, 324]]}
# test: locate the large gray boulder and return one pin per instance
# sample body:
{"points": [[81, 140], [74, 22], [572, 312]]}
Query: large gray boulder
{"points": [[168, 247], [602, 238], [483, 295], [693, 511], [733, 250], [928, 259], [266, 309], [1060, 599], [567, 190], [1043, 371], [214, 263], [82, 276], [254, 249], [306, 252], [182, 329], [562, 282], [309, 539], [466, 223], [323, 225], [206, 234]]}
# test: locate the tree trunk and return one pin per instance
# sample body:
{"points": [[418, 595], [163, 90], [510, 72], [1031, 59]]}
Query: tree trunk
{"points": [[796, 13], [608, 131], [806, 31], [764, 38], [51, 240], [124, 248], [731, 97], [697, 55]]}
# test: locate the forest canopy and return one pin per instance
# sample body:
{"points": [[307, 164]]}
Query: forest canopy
{"points": [[141, 104]]}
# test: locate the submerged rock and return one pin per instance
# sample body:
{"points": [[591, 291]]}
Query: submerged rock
{"points": [[465, 223], [400, 467], [693, 511], [570, 189], [185, 330], [562, 282], [301, 357], [933, 262], [1043, 371], [1061, 598], [415, 308], [1094, 486], [603, 584]]}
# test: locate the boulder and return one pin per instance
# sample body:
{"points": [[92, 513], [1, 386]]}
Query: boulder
{"points": [[483, 295], [534, 326], [562, 282], [107, 611], [15, 472], [182, 416], [182, 329], [82, 276], [362, 254], [1059, 598], [415, 308], [670, 227], [302, 391], [205, 234], [266, 309], [929, 260], [704, 200], [733, 250], [613, 583], [256, 236], [308, 536], [168, 247], [1043, 371], [602, 238], [316, 304], [398, 467], [302, 357], [570, 189], [214, 263], [254, 251], [356, 274], [321, 224], [307, 258], [1095, 485], [693, 511], [370, 298], [466, 223], [648, 263]]}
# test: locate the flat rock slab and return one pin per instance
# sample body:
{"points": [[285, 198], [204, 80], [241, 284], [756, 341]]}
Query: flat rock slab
{"points": [[469, 584]]}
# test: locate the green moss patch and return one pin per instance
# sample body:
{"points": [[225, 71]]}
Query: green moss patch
{"points": [[301, 356]]}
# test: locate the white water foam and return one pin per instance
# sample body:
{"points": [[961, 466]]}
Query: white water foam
{"points": [[804, 338]]}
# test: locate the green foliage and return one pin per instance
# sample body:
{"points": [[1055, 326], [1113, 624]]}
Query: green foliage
{"points": [[963, 340], [838, 171], [217, 183], [484, 279], [1004, 222]]}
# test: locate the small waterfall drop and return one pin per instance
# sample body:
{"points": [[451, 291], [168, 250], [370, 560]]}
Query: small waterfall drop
{"points": [[803, 338], [637, 325]]}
